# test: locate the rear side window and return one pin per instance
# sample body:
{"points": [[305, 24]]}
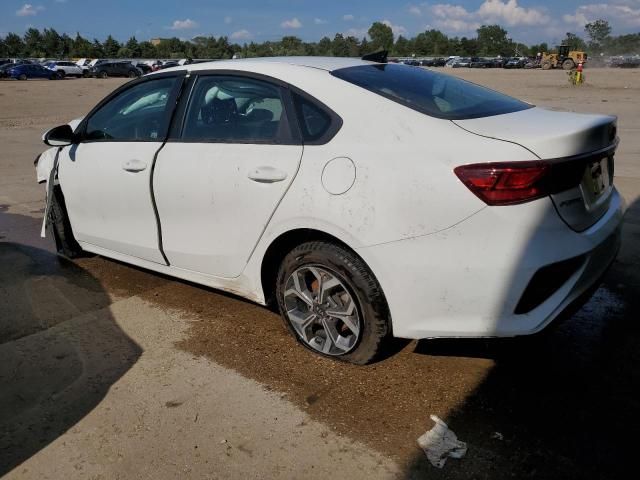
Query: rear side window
{"points": [[236, 110], [314, 121], [434, 94]]}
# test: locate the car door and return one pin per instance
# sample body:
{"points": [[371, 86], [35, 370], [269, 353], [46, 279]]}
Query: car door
{"points": [[106, 177], [40, 72], [219, 179]]}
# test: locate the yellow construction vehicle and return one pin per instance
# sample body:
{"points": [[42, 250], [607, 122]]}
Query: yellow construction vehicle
{"points": [[566, 58]]}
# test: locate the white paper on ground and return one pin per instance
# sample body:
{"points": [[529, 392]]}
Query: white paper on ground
{"points": [[440, 442]]}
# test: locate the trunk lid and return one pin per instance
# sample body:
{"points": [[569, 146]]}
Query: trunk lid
{"points": [[580, 148]]}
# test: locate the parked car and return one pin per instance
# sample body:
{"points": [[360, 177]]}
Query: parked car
{"points": [[516, 62], [508, 221], [461, 62], [114, 69], [450, 61], [498, 62], [4, 68], [169, 64], [64, 69], [85, 65], [143, 67], [477, 62], [412, 63], [26, 71]]}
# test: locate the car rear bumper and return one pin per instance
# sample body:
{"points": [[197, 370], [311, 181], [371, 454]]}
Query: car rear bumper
{"points": [[471, 279]]}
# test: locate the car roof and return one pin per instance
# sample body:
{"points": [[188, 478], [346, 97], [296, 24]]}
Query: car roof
{"points": [[323, 63]]}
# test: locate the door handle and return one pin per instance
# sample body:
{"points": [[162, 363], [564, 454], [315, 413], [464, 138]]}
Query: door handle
{"points": [[267, 175], [134, 165]]}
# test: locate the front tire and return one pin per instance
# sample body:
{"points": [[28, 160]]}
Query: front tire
{"points": [[61, 74], [568, 64], [103, 75], [332, 303], [59, 225], [22, 77]]}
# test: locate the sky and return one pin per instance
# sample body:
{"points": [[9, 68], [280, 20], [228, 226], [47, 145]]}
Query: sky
{"points": [[528, 21]]}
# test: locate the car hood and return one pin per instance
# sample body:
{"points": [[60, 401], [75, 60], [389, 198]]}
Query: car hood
{"points": [[547, 133]]}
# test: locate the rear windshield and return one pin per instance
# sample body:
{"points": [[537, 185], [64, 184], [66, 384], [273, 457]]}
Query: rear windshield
{"points": [[434, 94]]}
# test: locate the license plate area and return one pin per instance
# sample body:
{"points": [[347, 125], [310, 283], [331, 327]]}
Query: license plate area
{"points": [[596, 182]]}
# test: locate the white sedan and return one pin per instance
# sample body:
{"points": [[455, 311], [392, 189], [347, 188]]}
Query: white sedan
{"points": [[366, 200]]}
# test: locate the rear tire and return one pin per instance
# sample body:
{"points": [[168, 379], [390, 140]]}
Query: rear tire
{"points": [[546, 65], [132, 74], [103, 75], [22, 76], [338, 282], [59, 225]]}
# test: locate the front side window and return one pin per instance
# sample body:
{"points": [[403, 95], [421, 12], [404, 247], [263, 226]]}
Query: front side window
{"points": [[236, 110], [140, 113], [434, 94]]}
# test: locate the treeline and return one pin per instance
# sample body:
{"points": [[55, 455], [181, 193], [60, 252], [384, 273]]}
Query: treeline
{"points": [[490, 40]]}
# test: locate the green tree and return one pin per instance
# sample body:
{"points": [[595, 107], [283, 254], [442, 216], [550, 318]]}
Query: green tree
{"points": [[67, 45], [354, 46], [111, 47], [33, 43], [574, 41], [96, 49], [291, 46], [381, 36], [538, 48], [365, 47], [324, 46], [402, 47], [598, 33], [148, 50], [14, 45], [81, 47], [431, 42], [51, 43], [492, 40], [469, 46], [134, 47], [339, 46]]}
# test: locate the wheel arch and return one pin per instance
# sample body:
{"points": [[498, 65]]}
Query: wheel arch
{"points": [[281, 246]]}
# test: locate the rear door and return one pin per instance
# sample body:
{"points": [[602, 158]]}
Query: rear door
{"points": [[218, 182], [106, 178]]}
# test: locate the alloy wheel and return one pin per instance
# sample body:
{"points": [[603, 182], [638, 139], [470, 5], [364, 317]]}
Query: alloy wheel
{"points": [[322, 310]]}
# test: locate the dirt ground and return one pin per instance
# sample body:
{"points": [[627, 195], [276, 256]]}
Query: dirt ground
{"points": [[108, 371]]}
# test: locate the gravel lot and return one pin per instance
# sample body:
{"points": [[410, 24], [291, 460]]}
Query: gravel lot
{"points": [[108, 371]]}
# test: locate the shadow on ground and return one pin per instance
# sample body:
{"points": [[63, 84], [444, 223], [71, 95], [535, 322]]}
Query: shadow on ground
{"points": [[60, 348], [564, 402]]}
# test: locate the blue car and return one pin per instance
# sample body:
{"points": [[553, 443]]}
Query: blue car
{"points": [[27, 70]]}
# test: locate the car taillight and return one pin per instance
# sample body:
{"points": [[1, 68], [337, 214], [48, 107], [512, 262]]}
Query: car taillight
{"points": [[506, 183]]}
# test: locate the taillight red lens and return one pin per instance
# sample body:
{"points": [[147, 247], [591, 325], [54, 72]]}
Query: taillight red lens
{"points": [[506, 183]]}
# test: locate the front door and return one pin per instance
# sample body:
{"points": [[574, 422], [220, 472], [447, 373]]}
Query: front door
{"points": [[218, 183], [106, 178]]}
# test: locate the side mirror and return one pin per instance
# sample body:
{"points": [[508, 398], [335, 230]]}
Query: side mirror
{"points": [[59, 136]]}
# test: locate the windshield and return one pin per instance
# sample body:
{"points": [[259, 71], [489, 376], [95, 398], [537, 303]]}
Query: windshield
{"points": [[434, 94]]}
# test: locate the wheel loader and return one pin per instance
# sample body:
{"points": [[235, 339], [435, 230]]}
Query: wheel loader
{"points": [[566, 58]]}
